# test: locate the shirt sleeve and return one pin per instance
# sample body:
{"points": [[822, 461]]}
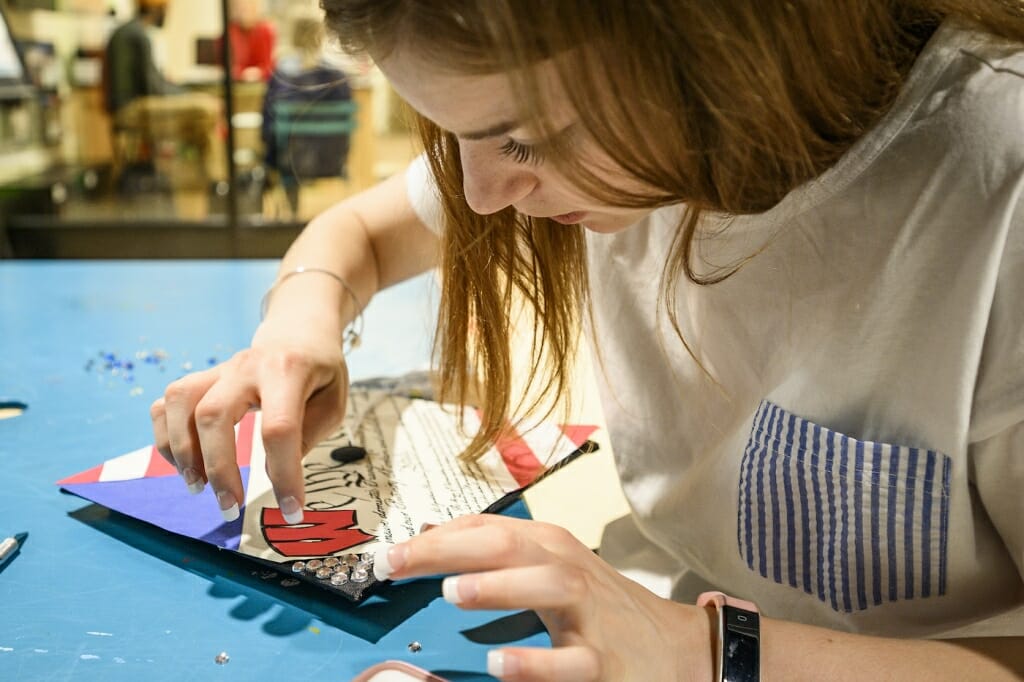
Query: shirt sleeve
{"points": [[424, 195], [997, 422], [998, 465]]}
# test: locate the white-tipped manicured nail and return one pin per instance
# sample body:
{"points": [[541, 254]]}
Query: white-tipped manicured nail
{"points": [[382, 569], [496, 663], [290, 510], [230, 514], [194, 483], [450, 590], [228, 506]]}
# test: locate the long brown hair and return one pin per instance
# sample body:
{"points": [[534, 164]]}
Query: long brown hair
{"points": [[749, 99]]}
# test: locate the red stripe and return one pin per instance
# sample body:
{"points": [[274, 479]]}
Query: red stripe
{"points": [[577, 433], [519, 458], [158, 466], [88, 476], [243, 447]]}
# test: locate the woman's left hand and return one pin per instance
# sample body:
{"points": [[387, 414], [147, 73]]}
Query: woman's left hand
{"points": [[603, 626]]}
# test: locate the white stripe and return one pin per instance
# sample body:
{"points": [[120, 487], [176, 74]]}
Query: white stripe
{"points": [[826, 523], [547, 442], [258, 483], [885, 491], [127, 467]]}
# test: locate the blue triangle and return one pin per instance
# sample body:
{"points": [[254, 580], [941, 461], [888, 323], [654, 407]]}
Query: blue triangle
{"points": [[164, 501]]}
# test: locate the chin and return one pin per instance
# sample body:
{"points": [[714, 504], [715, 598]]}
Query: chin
{"points": [[608, 224]]}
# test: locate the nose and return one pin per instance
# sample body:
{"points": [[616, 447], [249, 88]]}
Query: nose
{"points": [[490, 181]]}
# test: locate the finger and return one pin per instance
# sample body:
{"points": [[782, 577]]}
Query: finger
{"points": [[571, 664], [553, 538], [216, 414], [283, 400], [473, 549], [158, 415], [180, 400], [325, 410], [546, 586]]}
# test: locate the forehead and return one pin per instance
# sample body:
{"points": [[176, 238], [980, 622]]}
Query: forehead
{"points": [[459, 102]]}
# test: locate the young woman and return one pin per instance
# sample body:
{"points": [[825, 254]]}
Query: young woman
{"points": [[793, 232]]}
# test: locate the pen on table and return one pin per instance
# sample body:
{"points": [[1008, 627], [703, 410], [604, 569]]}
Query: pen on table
{"points": [[10, 546], [508, 499]]}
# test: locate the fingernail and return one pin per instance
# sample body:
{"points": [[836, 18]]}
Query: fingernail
{"points": [[459, 588], [228, 505], [290, 510], [427, 526], [193, 481], [499, 665], [387, 560]]}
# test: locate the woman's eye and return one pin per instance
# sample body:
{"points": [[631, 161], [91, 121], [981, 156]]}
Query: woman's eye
{"points": [[521, 153]]}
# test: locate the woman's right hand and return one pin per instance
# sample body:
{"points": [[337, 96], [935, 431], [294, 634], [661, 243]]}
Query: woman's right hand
{"points": [[300, 383]]}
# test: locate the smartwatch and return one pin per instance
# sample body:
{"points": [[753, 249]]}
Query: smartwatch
{"points": [[738, 641]]}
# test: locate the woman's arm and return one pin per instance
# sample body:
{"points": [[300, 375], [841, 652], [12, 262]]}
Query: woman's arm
{"points": [[606, 627], [294, 370], [372, 240], [794, 652]]}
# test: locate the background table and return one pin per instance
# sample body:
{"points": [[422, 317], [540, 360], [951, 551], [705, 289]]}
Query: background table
{"points": [[94, 595]]}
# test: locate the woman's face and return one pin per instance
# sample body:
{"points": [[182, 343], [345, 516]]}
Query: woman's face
{"points": [[503, 161]]}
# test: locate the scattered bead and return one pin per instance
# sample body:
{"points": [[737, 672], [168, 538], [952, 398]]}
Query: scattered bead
{"points": [[359, 575], [339, 578], [415, 647], [298, 567], [221, 658]]}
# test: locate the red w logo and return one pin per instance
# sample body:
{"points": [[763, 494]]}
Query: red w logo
{"points": [[321, 532]]}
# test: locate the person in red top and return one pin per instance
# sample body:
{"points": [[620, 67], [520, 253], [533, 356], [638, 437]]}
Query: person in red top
{"points": [[252, 41]]}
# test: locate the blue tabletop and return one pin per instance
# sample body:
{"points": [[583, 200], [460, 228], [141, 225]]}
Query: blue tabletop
{"points": [[94, 595]]}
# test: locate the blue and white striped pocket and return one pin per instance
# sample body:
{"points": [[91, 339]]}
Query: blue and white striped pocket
{"points": [[853, 522]]}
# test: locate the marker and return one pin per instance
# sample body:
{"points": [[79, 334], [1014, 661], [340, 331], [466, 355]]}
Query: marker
{"points": [[10, 546]]}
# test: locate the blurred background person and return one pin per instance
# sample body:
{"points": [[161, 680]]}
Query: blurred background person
{"points": [[308, 114], [252, 39], [129, 69]]}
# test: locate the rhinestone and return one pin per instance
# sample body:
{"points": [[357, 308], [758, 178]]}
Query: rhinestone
{"points": [[298, 567], [359, 575], [313, 565], [221, 658], [350, 559], [339, 578], [415, 647], [340, 568], [323, 573], [331, 561]]}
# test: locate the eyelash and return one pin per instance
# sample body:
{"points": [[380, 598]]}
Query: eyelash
{"points": [[521, 153]]}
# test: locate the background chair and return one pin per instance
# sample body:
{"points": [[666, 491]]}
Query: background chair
{"points": [[308, 121]]}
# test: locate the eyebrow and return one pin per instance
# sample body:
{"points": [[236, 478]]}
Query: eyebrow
{"points": [[493, 131]]}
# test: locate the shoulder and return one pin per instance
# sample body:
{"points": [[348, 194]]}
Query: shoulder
{"points": [[985, 88]]}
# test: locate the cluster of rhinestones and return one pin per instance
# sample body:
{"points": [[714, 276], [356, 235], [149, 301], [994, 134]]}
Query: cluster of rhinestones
{"points": [[337, 570]]}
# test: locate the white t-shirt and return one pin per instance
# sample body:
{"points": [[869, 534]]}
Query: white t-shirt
{"points": [[860, 464]]}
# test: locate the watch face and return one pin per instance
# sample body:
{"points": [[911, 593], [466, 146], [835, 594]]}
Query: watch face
{"points": [[740, 659], [741, 648]]}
